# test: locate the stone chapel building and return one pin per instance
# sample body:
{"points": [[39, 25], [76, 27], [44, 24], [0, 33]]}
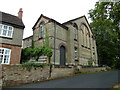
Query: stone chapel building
{"points": [[72, 42]]}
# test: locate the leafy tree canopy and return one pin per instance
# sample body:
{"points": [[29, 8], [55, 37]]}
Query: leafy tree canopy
{"points": [[106, 27]]}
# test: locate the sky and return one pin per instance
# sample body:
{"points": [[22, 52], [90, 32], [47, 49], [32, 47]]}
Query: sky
{"points": [[59, 10]]}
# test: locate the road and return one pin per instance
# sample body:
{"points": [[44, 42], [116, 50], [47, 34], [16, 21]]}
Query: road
{"points": [[97, 80]]}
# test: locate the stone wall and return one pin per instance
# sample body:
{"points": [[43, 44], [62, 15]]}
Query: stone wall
{"points": [[61, 72], [13, 75], [93, 69]]}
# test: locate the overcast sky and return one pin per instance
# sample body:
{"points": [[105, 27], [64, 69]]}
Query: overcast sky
{"points": [[60, 10]]}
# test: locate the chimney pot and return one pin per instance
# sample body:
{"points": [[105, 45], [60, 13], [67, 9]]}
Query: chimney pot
{"points": [[20, 13]]}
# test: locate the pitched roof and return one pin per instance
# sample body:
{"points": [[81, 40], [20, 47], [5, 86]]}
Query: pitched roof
{"points": [[70, 21], [28, 37], [73, 20], [51, 20], [12, 20]]}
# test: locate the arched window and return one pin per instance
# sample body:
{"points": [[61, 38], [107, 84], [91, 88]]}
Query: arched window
{"points": [[75, 31], [41, 30], [85, 35]]}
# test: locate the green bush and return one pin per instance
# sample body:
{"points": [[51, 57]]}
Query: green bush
{"points": [[36, 52], [26, 54], [34, 64], [47, 51]]}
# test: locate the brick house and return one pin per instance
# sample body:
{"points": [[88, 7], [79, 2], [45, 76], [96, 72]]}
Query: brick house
{"points": [[72, 42], [11, 34]]}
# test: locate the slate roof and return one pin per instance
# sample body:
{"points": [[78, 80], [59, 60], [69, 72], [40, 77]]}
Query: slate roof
{"points": [[11, 19]]}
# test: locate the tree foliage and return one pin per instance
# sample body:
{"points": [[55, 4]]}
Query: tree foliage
{"points": [[106, 27], [26, 54], [36, 52]]}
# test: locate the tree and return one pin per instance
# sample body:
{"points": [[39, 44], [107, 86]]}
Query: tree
{"points": [[47, 50], [106, 27], [46, 42]]}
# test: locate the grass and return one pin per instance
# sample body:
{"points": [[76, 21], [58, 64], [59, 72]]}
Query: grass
{"points": [[116, 87]]}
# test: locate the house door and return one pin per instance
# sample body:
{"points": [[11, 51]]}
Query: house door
{"points": [[62, 56]]}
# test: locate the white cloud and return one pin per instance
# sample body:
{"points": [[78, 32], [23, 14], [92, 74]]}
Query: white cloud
{"points": [[60, 10]]}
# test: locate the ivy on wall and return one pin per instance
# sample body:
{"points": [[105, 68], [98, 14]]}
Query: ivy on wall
{"points": [[36, 52]]}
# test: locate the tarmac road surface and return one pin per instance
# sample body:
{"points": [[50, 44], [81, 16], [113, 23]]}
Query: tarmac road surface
{"points": [[97, 80]]}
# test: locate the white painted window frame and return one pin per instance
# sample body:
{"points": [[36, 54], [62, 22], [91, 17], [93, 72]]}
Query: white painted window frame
{"points": [[5, 49], [7, 30]]}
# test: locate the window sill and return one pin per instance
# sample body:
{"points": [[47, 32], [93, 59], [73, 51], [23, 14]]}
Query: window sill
{"points": [[76, 60], [75, 39], [88, 48], [82, 45], [6, 37], [4, 63], [85, 47], [40, 38]]}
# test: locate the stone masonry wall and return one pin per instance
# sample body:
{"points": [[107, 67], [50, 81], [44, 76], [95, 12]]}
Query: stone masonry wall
{"points": [[13, 75], [61, 72]]}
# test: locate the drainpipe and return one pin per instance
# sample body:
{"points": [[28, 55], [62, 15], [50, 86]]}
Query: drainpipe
{"points": [[54, 42]]}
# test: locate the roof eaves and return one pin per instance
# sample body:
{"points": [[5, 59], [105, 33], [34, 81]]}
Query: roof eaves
{"points": [[28, 37], [11, 19]]}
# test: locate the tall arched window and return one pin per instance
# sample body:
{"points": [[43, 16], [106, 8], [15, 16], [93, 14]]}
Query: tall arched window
{"points": [[41, 30], [75, 31], [86, 34]]}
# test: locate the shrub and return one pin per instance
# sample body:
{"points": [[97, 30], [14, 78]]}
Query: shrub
{"points": [[47, 51], [28, 53], [34, 64]]}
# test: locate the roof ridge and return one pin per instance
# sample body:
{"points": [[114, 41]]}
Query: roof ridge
{"points": [[73, 19], [9, 14], [12, 19], [50, 20]]}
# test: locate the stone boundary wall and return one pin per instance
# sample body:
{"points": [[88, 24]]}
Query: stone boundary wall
{"points": [[93, 69], [13, 75], [62, 72]]}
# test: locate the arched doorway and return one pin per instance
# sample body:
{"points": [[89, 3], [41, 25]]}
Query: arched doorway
{"points": [[62, 56]]}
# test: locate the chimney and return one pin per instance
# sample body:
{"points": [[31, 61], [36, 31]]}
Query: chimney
{"points": [[20, 13]]}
